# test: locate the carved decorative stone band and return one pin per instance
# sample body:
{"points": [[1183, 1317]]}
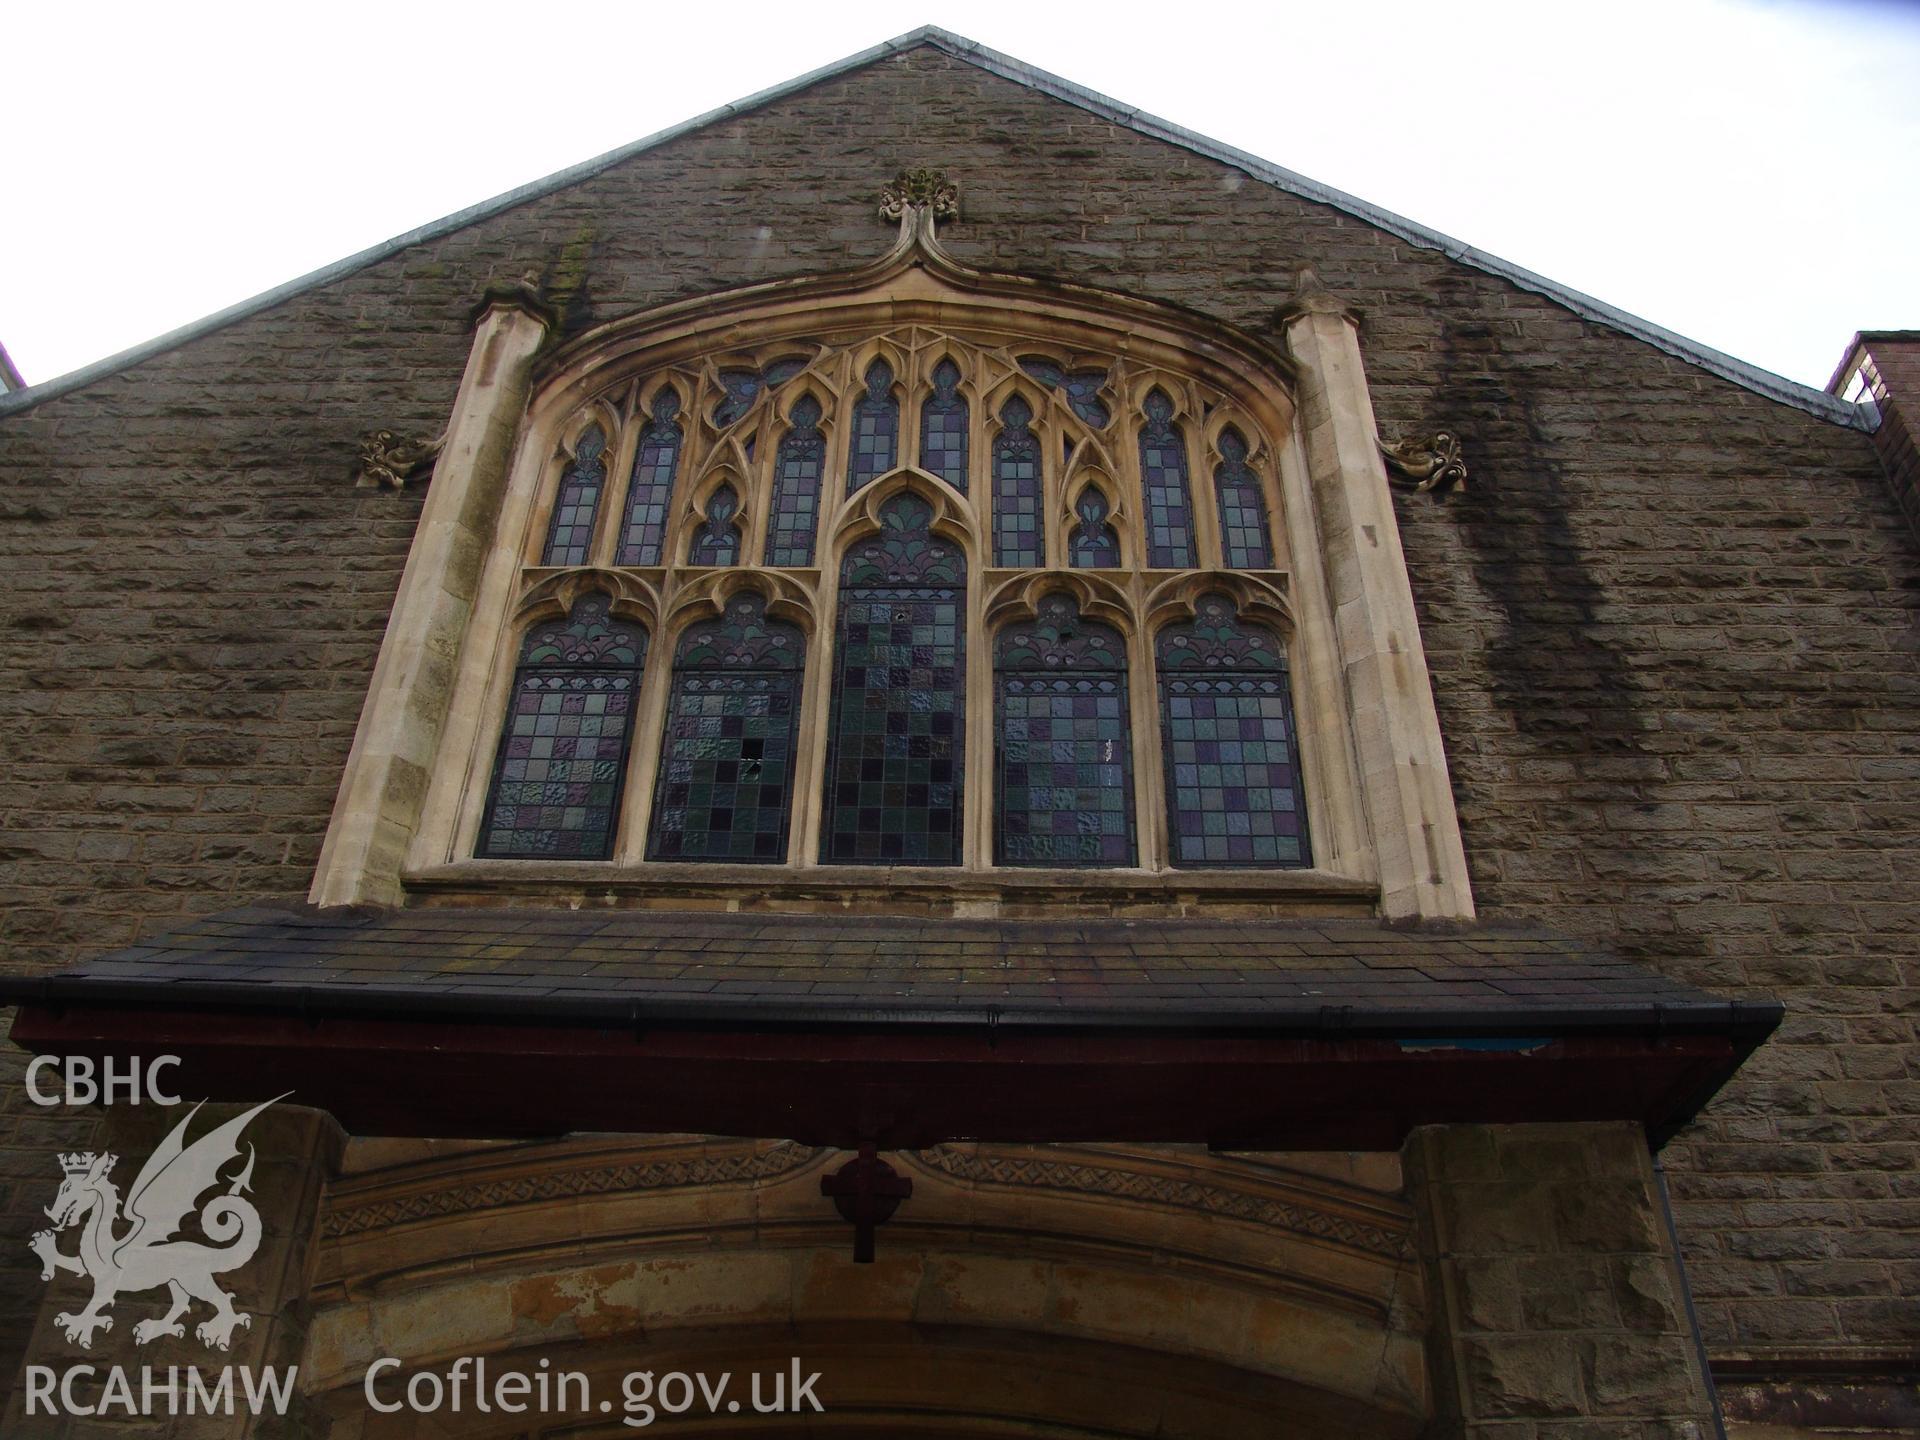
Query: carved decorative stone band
{"points": [[1435, 465], [387, 460], [927, 190], [1076, 1176], [562, 1184]]}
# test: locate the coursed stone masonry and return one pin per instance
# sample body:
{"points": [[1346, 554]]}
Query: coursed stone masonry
{"points": [[1670, 627]]}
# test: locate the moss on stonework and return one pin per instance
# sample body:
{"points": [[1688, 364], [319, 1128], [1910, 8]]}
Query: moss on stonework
{"points": [[566, 282]]}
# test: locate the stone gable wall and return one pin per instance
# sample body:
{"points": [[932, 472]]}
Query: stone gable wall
{"points": [[1671, 624]]}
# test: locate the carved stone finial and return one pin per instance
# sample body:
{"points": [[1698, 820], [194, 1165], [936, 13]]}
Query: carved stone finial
{"points": [[920, 189], [1435, 465], [1312, 297], [389, 461]]}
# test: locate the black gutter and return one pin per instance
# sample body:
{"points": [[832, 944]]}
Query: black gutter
{"points": [[1747, 1022]]}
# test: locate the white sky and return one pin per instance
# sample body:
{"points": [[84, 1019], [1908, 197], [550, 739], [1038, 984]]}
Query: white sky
{"points": [[1747, 174]]}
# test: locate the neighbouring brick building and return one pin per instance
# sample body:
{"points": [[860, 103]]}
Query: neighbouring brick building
{"points": [[1264, 761]]}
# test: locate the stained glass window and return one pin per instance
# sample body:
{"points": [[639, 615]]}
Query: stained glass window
{"points": [[1092, 545], [1082, 387], [726, 761], [1163, 473], [718, 541], [741, 386], [570, 532], [876, 429], [1233, 758], [650, 490], [943, 428], [893, 792], [563, 751], [1063, 782], [796, 487], [1243, 510], [1017, 537]]}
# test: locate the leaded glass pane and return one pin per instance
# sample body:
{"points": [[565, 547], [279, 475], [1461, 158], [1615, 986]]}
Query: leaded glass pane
{"points": [[876, 429], [1233, 757], [943, 428], [782, 370], [1063, 782], [570, 532], [718, 541], [1082, 387], [741, 386], [726, 762], [1092, 545], [1017, 536], [894, 750], [650, 491], [563, 750], [1243, 510], [796, 487], [1163, 475]]}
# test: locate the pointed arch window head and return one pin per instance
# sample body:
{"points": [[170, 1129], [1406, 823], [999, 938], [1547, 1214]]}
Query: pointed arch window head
{"points": [[725, 791], [570, 531], [1063, 749], [708, 451], [893, 787], [876, 429], [650, 490], [718, 541], [1092, 545], [562, 754], [1163, 477], [796, 487], [1243, 509], [1232, 755], [1017, 537], [943, 428]]}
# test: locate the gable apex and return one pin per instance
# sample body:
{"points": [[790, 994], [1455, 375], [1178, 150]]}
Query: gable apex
{"points": [[1752, 377]]}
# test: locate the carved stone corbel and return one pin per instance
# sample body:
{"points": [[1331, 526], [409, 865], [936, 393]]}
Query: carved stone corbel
{"points": [[387, 460], [1435, 465]]}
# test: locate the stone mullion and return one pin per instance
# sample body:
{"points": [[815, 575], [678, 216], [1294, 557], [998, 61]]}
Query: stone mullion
{"points": [[1149, 769], [813, 720], [1209, 545], [604, 546], [643, 755], [810, 803], [977, 824], [1127, 459], [1050, 431], [912, 390]]}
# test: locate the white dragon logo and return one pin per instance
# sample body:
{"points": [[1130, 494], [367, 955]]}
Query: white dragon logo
{"points": [[147, 1256]]}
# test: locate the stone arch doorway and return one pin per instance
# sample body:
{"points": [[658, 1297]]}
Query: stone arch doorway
{"points": [[1069, 1291]]}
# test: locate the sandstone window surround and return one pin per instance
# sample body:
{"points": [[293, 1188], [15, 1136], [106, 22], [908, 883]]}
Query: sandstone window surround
{"points": [[744, 444]]}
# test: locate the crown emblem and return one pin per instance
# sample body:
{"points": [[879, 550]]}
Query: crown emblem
{"points": [[77, 1164]]}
